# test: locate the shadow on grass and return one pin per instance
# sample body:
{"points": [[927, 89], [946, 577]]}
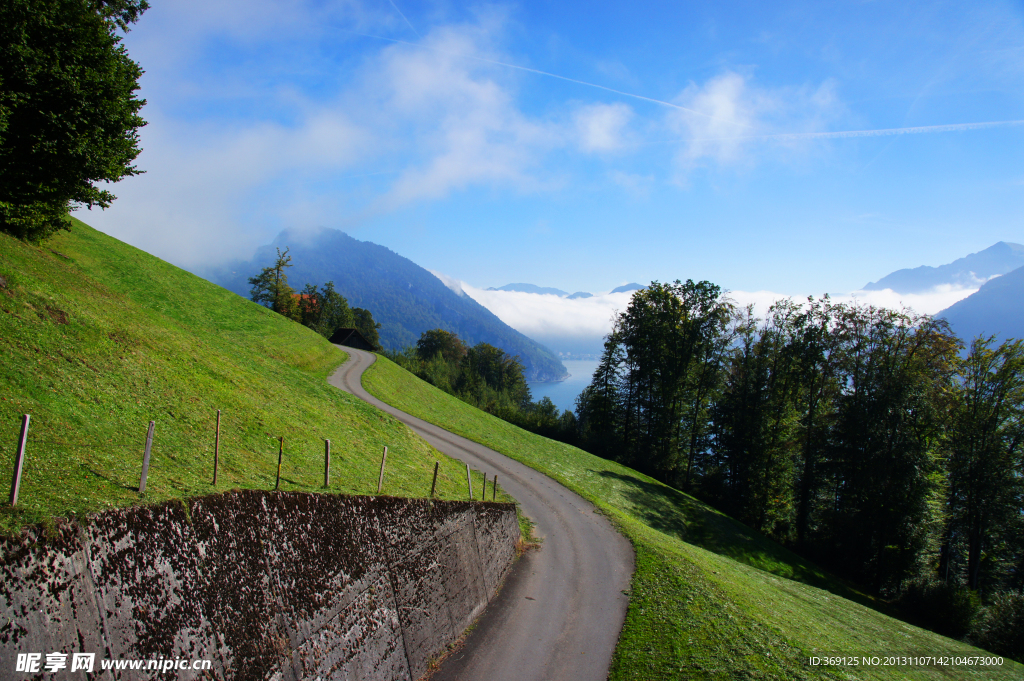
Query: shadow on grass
{"points": [[679, 515]]}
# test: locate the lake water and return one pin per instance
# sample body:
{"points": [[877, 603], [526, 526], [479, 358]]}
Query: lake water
{"points": [[563, 393]]}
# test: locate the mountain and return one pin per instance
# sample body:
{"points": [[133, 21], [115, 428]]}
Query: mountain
{"points": [[580, 294], [405, 298], [967, 272], [628, 287], [997, 308], [529, 288]]}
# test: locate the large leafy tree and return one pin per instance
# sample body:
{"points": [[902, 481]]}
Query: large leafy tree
{"points": [[499, 371], [896, 370], [440, 342], [664, 353], [69, 116], [984, 464]]}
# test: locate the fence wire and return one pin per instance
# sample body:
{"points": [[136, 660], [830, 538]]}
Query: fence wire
{"points": [[208, 448]]}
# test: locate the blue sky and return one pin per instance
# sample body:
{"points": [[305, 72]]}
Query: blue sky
{"points": [[790, 147]]}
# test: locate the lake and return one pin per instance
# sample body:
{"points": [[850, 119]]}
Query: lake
{"points": [[563, 393]]}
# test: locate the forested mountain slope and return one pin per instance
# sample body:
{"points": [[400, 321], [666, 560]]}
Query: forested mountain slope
{"points": [[405, 298], [996, 309]]}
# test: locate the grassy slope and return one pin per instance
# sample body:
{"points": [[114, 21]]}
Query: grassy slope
{"points": [[710, 597], [97, 338]]}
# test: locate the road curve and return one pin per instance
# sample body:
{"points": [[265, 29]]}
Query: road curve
{"points": [[559, 614]]}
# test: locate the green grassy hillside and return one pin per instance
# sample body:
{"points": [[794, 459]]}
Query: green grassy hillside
{"points": [[98, 338], [710, 597]]}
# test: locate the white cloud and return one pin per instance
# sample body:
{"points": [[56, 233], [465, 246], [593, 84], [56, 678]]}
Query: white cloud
{"points": [[464, 126], [601, 126], [547, 315], [930, 302], [727, 116], [208, 193], [454, 284], [440, 116]]}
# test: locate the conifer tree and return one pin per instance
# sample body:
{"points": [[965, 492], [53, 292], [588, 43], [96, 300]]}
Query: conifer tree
{"points": [[270, 287]]}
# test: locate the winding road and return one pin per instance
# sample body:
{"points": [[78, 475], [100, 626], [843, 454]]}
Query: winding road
{"points": [[559, 613]]}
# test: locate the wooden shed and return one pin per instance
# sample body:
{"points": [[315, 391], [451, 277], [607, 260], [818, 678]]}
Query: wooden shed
{"points": [[351, 338]]}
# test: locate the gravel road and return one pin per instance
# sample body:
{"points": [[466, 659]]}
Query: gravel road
{"points": [[559, 614]]}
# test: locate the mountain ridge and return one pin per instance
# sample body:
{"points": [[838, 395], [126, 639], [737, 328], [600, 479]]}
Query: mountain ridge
{"points": [[970, 271], [530, 288]]}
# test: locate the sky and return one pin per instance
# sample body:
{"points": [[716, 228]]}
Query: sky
{"points": [[784, 148]]}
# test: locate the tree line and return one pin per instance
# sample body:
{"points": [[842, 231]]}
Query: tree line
{"points": [[869, 440], [487, 378], [322, 309]]}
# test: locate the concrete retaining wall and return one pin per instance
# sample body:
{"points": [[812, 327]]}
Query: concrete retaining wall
{"points": [[280, 586]]}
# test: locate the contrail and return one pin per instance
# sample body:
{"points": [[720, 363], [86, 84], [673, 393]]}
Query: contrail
{"points": [[779, 136], [545, 73], [954, 127], [839, 134], [406, 18]]}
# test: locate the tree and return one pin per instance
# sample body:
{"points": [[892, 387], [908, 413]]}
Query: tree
{"points": [[897, 369], [984, 462], [441, 342], [270, 287], [366, 326], [499, 371], [756, 421], [667, 348], [69, 116], [817, 355], [600, 409]]}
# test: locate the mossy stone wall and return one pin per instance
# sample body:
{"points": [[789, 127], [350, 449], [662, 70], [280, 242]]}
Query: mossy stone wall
{"points": [[266, 585]]}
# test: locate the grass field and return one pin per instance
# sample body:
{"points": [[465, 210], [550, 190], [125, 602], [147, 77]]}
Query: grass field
{"points": [[98, 338], [710, 597]]}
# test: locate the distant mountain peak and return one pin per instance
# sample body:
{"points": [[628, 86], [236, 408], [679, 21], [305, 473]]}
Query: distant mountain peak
{"points": [[971, 271], [626, 288], [530, 288]]}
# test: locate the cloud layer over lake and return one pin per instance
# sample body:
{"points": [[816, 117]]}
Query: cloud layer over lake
{"points": [[578, 326]]}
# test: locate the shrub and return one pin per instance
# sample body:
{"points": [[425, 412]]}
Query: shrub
{"points": [[947, 609], [1000, 628]]}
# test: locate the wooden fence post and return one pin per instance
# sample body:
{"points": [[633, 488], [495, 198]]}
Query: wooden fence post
{"points": [[469, 483], [145, 458], [483, 492], [380, 480], [19, 459], [327, 463], [280, 455], [433, 485], [494, 488], [216, 449]]}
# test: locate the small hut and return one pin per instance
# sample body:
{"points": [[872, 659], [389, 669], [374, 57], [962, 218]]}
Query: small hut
{"points": [[351, 338]]}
